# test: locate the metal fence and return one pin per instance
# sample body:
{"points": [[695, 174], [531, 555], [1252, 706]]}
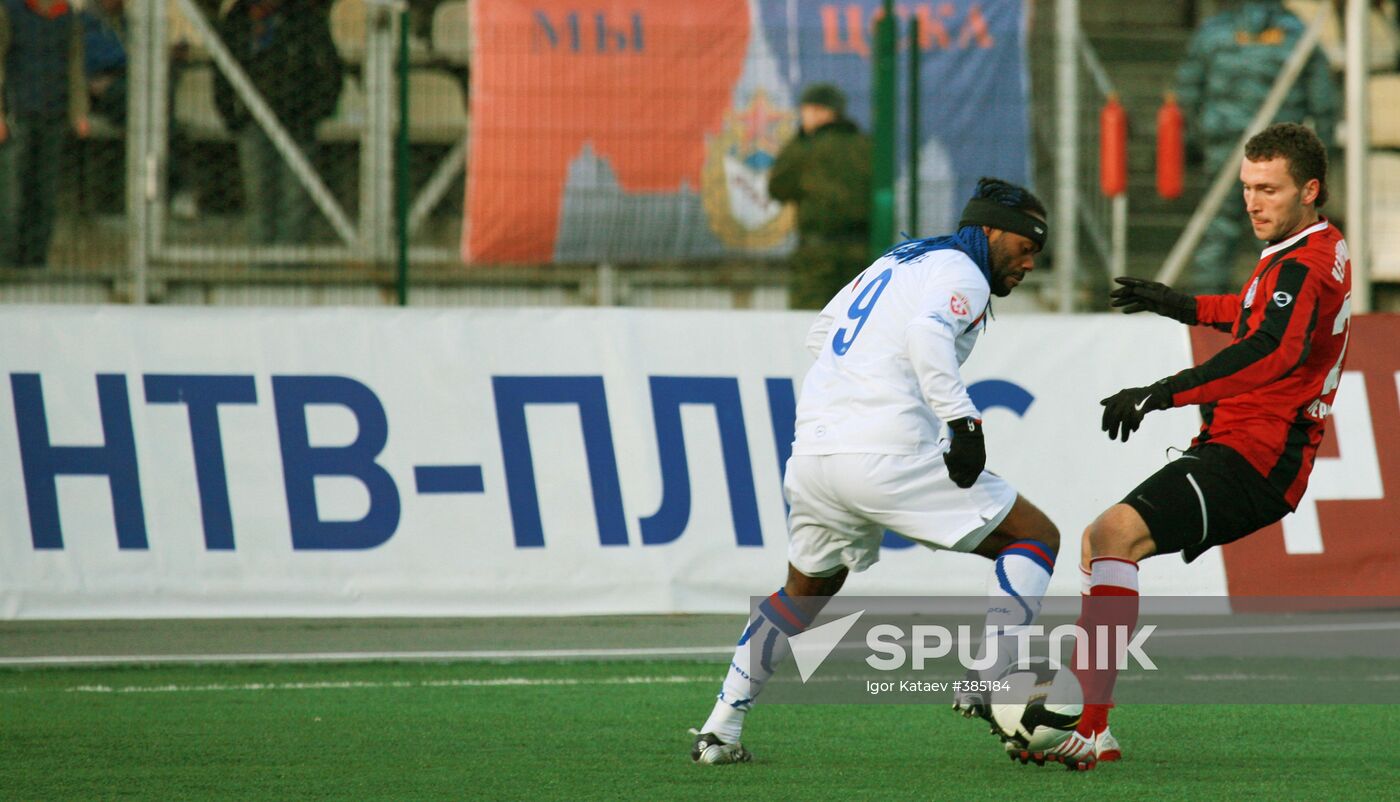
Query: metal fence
{"points": [[209, 175], [290, 148], [210, 171], [1071, 126], [248, 151]]}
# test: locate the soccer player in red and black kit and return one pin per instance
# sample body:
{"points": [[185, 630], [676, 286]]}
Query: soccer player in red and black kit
{"points": [[1264, 400]]}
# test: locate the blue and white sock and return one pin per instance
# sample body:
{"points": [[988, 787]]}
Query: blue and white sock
{"points": [[1015, 589], [762, 647]]}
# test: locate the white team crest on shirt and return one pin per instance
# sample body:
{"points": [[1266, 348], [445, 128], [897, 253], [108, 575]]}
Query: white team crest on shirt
{"points": [[1249, 296], [959, 305], [1282, 298]]}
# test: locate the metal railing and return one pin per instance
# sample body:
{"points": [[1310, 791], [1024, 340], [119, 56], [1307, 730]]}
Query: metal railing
{"points": [[147, 256], [1066, 137], [1226, 178]]}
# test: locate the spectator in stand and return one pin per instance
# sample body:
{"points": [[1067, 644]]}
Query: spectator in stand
{"points": [[104, 44], [1230, 65], [825, 170], [42, 93], [104, 47], [286, 48]]}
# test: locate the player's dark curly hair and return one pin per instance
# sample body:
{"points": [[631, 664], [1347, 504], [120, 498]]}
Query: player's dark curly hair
{"points": [[1009, 194], [1306, 155]]}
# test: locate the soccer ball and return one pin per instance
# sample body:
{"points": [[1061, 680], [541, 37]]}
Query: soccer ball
{"points": [[1042, 705]]}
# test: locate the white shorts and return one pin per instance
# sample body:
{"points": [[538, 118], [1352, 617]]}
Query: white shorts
{"points": [[841, 505]]}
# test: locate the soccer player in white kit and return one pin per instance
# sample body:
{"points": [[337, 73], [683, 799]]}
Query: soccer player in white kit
{"points": [[869, 454]]}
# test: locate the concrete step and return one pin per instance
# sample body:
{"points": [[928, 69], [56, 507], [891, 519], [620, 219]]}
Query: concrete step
{"points": [[1142, 60], [1099, 13], [1141, 46], [1134, 47], [1141, 85], [1149, 204], [1148, 238]]}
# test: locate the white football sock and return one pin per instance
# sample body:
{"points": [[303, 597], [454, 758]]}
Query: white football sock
{"points": [[1015, 589], [762, 647]]}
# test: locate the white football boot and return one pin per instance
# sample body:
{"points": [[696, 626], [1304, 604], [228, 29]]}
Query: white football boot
{"points": [[1106, 747], [711, 751], [1076, 753], [972, 704], [976, 704]]}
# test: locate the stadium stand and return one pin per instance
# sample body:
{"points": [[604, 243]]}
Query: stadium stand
{"points": [[349, 24], [436, 107], [1383, 44], [1139, 45], [349, 19], [194, 104], [180, 31], [1385, 216], [349, 119], [1385, 110], [452, 32]]}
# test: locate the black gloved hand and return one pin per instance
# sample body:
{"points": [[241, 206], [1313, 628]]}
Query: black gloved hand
{"points": [[1137, 295], [967, 456], [1123, 411]]}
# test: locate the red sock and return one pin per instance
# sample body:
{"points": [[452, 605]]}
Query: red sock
{"points": [[1112, 604], [1092, 713]]}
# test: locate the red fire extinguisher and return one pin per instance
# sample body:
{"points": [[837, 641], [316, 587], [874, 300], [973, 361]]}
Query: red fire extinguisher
{"points": [[1171, 149], [1113, 148]]}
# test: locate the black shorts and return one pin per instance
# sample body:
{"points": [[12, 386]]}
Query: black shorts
{"points": [[1208, 497]]}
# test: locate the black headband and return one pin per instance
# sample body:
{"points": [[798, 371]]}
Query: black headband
{"points": [[987, 212]]}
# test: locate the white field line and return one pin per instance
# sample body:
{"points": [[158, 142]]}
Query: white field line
{"points": [[564, 654], [370, 657], [370, 684], [526, 682], [1239, 677], [1284, 629], [497, 682]]}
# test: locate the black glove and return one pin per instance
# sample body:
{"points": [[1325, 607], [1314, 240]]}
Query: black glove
{"points": [[967, 456], [1124, 410], [1137, 295]]}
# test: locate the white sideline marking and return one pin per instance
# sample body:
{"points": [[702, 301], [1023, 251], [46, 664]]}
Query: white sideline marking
{"points": [[525, 682], [1286, 629], [367, 657], [362, 684], [1238, 677], [561, 654]]}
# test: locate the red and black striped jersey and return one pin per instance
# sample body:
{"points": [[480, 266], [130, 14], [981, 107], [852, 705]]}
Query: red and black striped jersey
{"points": [[1267, 395]]}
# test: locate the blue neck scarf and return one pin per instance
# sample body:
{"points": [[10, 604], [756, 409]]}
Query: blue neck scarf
{"points": [[971, 240]]}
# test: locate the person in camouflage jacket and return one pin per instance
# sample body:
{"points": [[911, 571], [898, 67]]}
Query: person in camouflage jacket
{"points": [[1231, 63], [825, 170]]}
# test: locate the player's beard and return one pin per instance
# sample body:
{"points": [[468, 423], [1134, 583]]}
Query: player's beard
{"points": [[1000, 270]]}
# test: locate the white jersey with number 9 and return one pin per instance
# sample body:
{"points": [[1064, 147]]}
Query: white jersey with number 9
{"points": [[889, 346]]}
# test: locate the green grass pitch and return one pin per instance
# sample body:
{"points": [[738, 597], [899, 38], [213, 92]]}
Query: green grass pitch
{"points": [[612, 730]]}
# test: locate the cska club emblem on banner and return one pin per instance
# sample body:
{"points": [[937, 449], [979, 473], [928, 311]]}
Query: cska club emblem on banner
{"points": [[735, 176]]}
